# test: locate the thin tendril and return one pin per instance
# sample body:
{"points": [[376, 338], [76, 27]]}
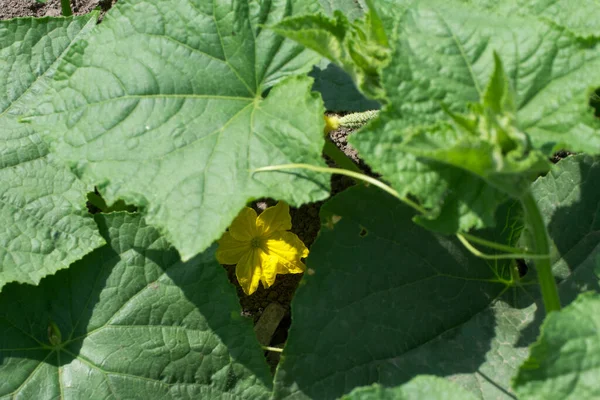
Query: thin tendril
{"points": [[510, 256], [352, 174]]}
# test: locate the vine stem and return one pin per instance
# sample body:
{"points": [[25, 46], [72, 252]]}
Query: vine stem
{"points": [[351, 174], [541, 245], [493, 245], [65, 6], [513, 253]]}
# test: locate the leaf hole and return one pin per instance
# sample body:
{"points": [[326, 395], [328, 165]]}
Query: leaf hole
{"points": [[522, 267], [363, 232]]}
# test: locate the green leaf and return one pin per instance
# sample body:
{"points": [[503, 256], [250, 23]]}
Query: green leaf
{"points": [[130, 320], [45, 226], [421, 387], [577, 16], [353, 9], [485, 142], [563, 363], [360, 47], [391, 301], [177, 125], [338, 90], [443, 63], [569, 199]]}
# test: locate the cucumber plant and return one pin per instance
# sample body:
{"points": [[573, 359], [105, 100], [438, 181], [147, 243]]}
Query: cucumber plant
{"points": [[188, 110]]}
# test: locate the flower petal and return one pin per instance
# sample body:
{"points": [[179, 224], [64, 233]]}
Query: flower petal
{"points": [[243, 226], [248, 272], [273, 219], [230, 250], [287, 249], [268, 264]]}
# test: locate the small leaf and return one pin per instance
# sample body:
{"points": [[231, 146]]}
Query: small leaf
{"points": [[498, 95], [338, 90], [359, 47], [564, 361]]}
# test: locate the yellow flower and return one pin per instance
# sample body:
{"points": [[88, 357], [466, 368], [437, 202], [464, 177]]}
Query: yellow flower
{"points": [[331, 123], [260, 247]]}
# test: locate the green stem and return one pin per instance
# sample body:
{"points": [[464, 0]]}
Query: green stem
{"points": [[492, 245], [351, 174], [339, 157], [522, 253], [513, 253], [541, 245], [65, 5]]}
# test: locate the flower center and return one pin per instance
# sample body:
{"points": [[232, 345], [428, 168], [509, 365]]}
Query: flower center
{"points": [[255, 242]]}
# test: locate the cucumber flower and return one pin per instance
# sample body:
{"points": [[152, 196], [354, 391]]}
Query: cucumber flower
{"points": [[260, 247]]}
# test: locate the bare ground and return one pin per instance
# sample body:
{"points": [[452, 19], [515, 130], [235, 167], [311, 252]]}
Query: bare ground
{"points": [[32, 8]]}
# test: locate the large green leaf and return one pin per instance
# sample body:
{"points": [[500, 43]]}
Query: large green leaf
{"points": [[421, 387], [130, 320], [162, 106], [442, 63], [43, 219], [565, 361], [390, 300]]}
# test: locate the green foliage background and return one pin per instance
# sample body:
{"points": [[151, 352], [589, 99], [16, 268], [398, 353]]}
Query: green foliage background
{"points": [[170, 106]]}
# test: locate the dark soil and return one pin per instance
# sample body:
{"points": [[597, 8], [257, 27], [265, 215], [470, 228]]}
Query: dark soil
{"points": [[31, 8], [559, 155]]}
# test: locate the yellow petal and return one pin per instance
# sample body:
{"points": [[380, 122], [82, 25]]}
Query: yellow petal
{"points": [[248, 272], [287, 249], [230, 250], [268, 264], [273, 219], [332, 122], [243, 226]]}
